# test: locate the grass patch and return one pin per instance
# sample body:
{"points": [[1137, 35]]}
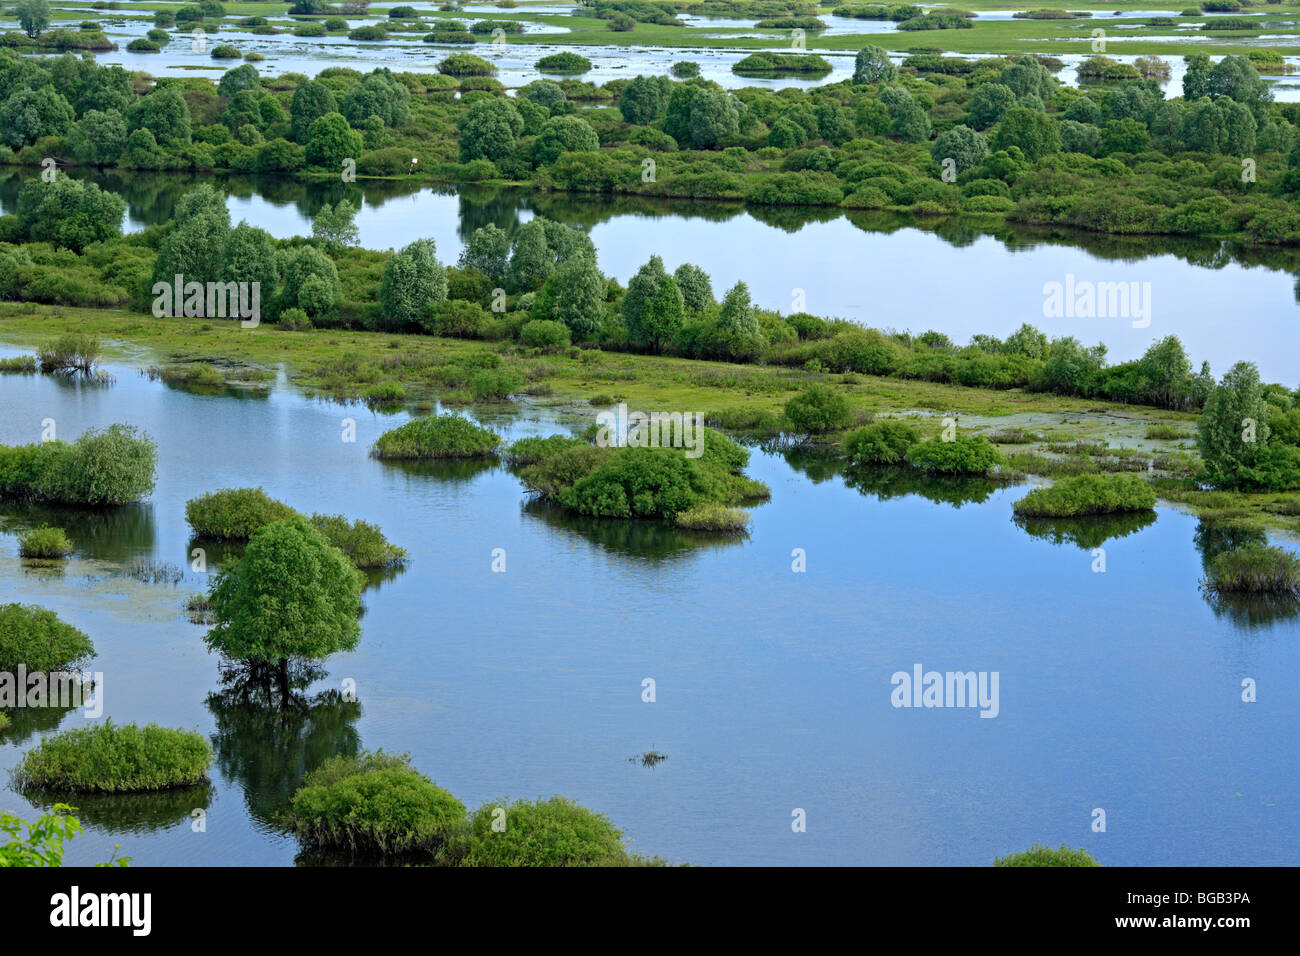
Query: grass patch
{"points": [[714, 519], [1259, 569], [44, 542]]}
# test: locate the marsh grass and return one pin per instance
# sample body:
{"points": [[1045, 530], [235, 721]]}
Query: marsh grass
{"points": [[437, 436], [19, 365], [152, 572], [714, 518], [1168, 433], [71, 353], [113, 758], [1257, 569]]}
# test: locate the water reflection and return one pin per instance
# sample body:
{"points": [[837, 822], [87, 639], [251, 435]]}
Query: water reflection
{"points": [[649, 542], [108, 534], [1243, 611], [270, 735], [1087, 532], [135, 813]]}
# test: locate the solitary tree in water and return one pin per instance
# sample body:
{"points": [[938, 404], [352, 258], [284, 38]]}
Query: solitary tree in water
{"points": [[292, 597]]}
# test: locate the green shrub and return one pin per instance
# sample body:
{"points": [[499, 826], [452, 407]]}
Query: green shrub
{"points": [[108, 758], [225, 52], [437, 436], [104, 467], [964, 455], [554, 832], [563, 62], [714, 519], [495, 384], [234, 514], [818, 409], [1255, 569], [465, 64], [44, 542], [880, 443], [363, 543], [529, 451], [374, 804], [36, 639], [1039, 855], [1088, 495], [545, 334], [71, 352]]}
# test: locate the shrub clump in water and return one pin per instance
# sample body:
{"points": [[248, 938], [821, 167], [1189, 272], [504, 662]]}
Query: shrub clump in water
{"points": [[437, 436], [880, 443], [234, 514], [554, 832], [44, 542], [374, 804], [109, 758], [1040, 855], [36, 639], [363, 543], [964, 455], [714, 519], [1088, 495], [104, 467], [1255, 569]]}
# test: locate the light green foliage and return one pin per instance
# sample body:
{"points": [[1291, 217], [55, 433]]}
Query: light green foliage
{"points": [[1088, 495], [115, 758], [35, 638], [437, 436]]}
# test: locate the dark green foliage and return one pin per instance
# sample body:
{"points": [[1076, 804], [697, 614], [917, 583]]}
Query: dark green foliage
{"points": [[110, 466], [234, 513], [1255, 569], [818, 409], [563, 62], [880, 443], [964, 455]]}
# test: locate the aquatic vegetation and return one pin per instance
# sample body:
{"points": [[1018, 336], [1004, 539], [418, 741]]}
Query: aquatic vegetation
{"points": [[44, 542], [437, 436], [103, 467], [291, 596], [20, 364], [234, 513], [880, 443], [115, 758], [1258, 569], [363, 543], [531, 450], [554, 832], [1040, 855], [374, 803], [563, 62], [1087, 532], [148, 571], [777, 64], [1088, 495], [34, 638], [651, 758], [73, 352], [714, 518], [465, 64], [963, 455], [1168, 433]]}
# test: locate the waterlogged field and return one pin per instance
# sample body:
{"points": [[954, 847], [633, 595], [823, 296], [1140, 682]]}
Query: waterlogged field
{"points": [[1118, 690]]}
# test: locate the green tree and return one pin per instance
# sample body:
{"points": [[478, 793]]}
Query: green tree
{"points": [[488, 251], [33, 16], [653, 308], [298, 267], [579, 291], [378, 94], [69, 212], [1033, 132], [872, 65], [413, 281], [531, 260], [564, 134], [1071, 367], [737, 313], [645, 99], [546, 93], [240, 78], [988, 103], [699, 117], [335, 226], [291, 597], [1234, 426], [965, 147], [164, 113], [99, 138], [194, 247], [248, 255], [27, 115], [696, 289], [331, 140], [489, 130], [311, 101]]}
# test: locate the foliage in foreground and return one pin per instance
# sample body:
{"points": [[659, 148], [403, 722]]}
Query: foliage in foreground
{"points": [[43, 842], [1079, 495], [112, 758], [35, 638], [554, 832]]}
